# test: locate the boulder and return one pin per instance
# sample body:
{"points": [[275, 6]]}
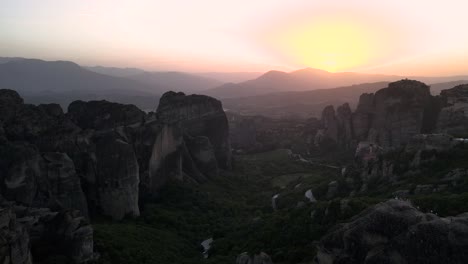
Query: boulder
{"points": [[396, 232]]}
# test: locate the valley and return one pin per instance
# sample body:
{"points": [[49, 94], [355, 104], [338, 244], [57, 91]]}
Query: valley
{"points": [[136, 187]]}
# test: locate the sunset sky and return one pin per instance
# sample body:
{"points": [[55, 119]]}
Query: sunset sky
{"points": [[394, 37]]}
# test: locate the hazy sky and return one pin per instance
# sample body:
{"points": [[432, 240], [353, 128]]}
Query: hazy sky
{"points": [[411, 37]]}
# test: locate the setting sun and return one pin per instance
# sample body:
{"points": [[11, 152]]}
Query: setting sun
{"points": [[328, 45]]}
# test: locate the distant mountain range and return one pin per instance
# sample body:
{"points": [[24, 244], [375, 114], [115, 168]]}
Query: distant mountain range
{"points": [[275, 93], [176, 81], [309, 79], [62, 82], [231, 77]]}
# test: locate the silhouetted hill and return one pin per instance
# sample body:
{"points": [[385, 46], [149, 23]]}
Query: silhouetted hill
{"points": [[305, 79], [62, 81], [231, 77], [117, 72], [175, 81], [308, 79], [436, 88], [7, 59]]}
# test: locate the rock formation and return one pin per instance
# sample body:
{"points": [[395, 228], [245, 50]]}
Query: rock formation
{"points": [[394, 132], [396, 232], [399, 112], [193, 141], [388, 118], [453, 118], [38, 233], [103, 115], [199, 115], [100, 158]]}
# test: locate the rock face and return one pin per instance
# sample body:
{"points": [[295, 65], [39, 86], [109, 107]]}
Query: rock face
{"points": [[388, 118], [166, 157], [103, 114], [396, 232], [192, 143], [39, 233], [330, 123], [118, 179], [362, 117], [100, 158], [63, 183], [453, 118], [199, 115], [399, 112]]}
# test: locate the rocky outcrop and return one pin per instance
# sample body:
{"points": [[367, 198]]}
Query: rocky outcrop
{"points": [[103, 114], [38, 233], [261, 258], [362, 117], [389, 118], [336, 126], [14, 246], [192, 142], [396, 232], [10, 102], [345, 124], [330, 123], [63, 184], [199, 115], [40, 180], [99, 159], [117, 177], [399, 112], [453, 118]]}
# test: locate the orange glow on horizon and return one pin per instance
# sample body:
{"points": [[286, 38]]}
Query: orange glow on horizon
{"points": [[338, 42]]}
